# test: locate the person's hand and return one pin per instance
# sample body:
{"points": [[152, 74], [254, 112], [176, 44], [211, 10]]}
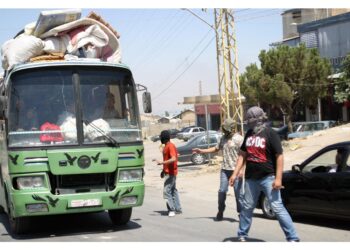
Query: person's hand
{"points": [[158, 162], [231, 181], [277, 184], [196, 150]]}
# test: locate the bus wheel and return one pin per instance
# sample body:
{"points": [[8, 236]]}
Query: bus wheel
{"points": [[120, 216], [18, 225]]}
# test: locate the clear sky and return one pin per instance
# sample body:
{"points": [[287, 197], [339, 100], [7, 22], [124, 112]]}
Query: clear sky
{"points": [[170, 50]]}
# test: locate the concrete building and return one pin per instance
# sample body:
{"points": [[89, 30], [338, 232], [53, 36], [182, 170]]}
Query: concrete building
{"points": [[187, 117], [327, 30]]}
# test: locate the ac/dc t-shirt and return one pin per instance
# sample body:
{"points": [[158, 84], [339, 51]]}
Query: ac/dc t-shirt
{"points": [[261, 152]]}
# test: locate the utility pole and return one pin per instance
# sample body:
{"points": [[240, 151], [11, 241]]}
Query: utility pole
{"points": [[227, 64]]}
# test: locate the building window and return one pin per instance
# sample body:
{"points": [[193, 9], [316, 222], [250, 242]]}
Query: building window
{"points": [[310, 39]]}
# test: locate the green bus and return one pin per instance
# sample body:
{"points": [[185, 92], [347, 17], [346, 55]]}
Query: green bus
{"points": [[70, 141]]}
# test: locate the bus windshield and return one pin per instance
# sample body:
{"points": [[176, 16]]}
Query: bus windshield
{"points": [[72, 106]]}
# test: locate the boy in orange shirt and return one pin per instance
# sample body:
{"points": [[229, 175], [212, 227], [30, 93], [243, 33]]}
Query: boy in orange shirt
{"points": [[170, 172]]}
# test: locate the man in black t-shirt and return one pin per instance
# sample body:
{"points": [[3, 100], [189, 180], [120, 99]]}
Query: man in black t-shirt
{"points": [[262, 153]]}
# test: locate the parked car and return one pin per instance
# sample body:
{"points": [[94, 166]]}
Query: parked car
{"points": [[173, 133], [303, 129], [318, 186], [198, 141], [189, 132]]}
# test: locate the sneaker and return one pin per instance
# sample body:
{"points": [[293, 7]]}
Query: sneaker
{"points": [[242, 239], [293, 240], [220, 216], [171, 213], [178, 212]]}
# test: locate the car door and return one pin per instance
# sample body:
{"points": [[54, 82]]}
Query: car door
{"points": [[341, 185], [195, 131], [312, 189]]}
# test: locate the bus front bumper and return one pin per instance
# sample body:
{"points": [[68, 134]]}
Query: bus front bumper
{"points": [[45, 203]]}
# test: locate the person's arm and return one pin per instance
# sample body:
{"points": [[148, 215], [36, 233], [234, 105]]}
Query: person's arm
{"points": [[277, 184], [172, 159], [173, 155], [205, 150], [239, 166], [278, 151]]}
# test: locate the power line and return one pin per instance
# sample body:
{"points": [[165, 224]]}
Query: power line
{"points": [[252, 18], [186, 58], [156, 34], [188, 67], [163, 42]]}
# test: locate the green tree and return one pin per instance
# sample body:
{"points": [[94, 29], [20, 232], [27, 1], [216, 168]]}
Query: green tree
{"points": [[342, 85], [289, 76]]}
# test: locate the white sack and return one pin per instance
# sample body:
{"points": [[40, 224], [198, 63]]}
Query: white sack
{"points": [[69, 129], [20, 50], [29, 28], [93, 133], [56, 44], [111, 52], [91, 35]]}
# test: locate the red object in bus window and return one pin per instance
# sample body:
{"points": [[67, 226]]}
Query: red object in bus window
{"points": [[53, 136]]}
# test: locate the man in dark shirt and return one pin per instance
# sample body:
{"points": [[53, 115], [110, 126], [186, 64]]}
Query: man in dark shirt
{"points": [[262, 153]]}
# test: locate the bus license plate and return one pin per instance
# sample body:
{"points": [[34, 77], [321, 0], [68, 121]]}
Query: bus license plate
{"points": [[85, 203]]}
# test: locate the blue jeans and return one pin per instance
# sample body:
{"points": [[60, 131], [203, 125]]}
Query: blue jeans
{"points": [[224, 184], [253, 189], [170, 193]]}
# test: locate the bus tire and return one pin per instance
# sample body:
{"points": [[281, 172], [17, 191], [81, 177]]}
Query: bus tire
{"points": [[120, 216], [19, 225]]}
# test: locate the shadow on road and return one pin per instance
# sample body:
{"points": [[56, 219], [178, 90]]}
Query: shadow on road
{"points": [[71, 224], [162, 213], [213, 219], [317, 221], [235, 239]]}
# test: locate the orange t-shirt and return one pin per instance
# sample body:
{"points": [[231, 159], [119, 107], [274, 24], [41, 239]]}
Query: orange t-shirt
{"points": [[170, 151]]}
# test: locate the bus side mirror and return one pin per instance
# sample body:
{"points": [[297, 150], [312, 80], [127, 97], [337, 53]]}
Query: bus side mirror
{"points": [[147, 102], [3, 102]]}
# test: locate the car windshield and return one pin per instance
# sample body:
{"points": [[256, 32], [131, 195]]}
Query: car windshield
{"points": [[44, 107], [312, 126]]}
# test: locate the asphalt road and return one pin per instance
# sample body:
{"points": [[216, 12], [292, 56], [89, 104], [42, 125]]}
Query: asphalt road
{"points": [[150, 223]]}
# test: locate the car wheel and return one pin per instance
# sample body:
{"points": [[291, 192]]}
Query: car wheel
{"points": [[266, 208], [198, 159], [120, 216]]}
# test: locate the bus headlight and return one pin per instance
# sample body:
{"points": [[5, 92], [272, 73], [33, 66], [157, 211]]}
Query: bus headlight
{"points": [[131, 175], [30, 182]]}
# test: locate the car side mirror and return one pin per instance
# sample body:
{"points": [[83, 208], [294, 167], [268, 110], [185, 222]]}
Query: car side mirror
{"points": [[3, 104], [147, 102], [296, 168]]}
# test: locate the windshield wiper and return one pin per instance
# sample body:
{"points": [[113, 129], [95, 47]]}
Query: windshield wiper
{"points": [[110, 138]]}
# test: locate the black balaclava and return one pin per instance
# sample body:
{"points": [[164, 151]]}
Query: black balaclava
{"points": [[164, 136]]}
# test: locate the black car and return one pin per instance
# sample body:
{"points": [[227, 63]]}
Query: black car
{"points": [[319, 186], [173, 133], [198, 141]]}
